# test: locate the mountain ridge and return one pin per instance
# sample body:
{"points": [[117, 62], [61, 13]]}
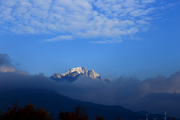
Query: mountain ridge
{"points": [[55, 102]]}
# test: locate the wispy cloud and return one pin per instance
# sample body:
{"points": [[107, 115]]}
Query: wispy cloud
{"points": [[79, 18], [58, 38], [106, 41]]}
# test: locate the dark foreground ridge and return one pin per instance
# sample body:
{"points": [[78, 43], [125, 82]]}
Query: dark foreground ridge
{"points": [[54, 102]]}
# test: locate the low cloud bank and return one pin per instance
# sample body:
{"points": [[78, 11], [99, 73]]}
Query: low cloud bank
{"points": [[154, 95], [7, 66]]}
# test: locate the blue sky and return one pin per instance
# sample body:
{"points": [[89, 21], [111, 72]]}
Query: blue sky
{"points": [[138, 38]]}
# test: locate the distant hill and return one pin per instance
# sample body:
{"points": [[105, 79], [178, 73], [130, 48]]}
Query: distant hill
{"points": [[72, 75], [54, 102]]}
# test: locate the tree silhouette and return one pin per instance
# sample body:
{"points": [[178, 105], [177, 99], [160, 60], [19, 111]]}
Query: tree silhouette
{"points": [[63, 115], [78, 114], [0, 114], [117, 118], [28, 112], [99, 118], [173, 118]]}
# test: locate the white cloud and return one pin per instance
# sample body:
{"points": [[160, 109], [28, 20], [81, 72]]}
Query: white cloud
{"points": [[58, 38], [6, 65], [169, 5], [7, 69], [148, 1], [78, 18], [107, 41]]}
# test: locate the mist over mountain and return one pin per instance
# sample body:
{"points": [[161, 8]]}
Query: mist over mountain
{"points": [[73, 74], [154, 95], [57, 102]]}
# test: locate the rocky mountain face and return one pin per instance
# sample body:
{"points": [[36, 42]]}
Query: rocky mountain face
{"points": [[72, 75]]}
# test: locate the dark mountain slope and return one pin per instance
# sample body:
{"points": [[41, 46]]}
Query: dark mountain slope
{"points": [[54, 102]]}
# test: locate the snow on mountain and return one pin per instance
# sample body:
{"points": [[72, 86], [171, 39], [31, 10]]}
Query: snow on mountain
{"points": [[72, 74]]}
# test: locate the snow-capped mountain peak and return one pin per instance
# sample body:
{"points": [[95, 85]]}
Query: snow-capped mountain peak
{"points": [[72, 74], [80, 70], [93, 74]]}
